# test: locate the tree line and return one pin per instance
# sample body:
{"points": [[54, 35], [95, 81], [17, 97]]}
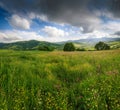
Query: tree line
{"points": [[99, 46]]}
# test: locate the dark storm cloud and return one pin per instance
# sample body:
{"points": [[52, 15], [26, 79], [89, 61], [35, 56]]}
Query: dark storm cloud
{"points": [[116, 8], [75, 12], [117, 33]]}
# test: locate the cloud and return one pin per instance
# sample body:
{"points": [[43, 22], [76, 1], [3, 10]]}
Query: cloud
{"points": [[54, 32], [8, 37], [36, 16], [19, 22], [51, 34], [117, 33], [111, 26], [48, 33], [93, 18], [97, 34], [74, 12], [15, 35]]}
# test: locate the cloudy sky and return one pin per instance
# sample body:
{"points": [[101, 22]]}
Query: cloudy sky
{"points": [[58, 20]]}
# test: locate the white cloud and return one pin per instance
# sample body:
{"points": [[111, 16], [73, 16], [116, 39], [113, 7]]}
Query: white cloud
{"points": [[56, 35], [19, 22], [54, 32], [96, 34], [8, 37], [112, 26], [41, 16], [15, 35]]}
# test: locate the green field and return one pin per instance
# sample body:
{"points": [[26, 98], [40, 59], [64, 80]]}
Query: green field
{"points": [[35, 80]]}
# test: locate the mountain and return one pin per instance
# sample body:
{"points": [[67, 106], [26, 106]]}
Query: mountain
{"points": [[29, 45], [92, 40], [87, 44]]}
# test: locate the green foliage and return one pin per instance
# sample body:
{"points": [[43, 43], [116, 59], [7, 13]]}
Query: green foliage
{"points": [[37, 80], [102, 46], [30, 45], [80, 49], [114, 44], [45, 48], [15, 47], [33, 45], [69, 47]]}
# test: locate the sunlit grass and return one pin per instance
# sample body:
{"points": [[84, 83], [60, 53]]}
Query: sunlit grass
{"points": [[34, 80]]}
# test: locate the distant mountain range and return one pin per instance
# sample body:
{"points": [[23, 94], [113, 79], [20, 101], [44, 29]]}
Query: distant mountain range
{"points": [[82, 43], [93, 40]]}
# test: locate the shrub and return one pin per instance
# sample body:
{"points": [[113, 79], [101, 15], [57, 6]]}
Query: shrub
{"points": [[45, 48], [80, 49], [102, 46], [69, 47]]}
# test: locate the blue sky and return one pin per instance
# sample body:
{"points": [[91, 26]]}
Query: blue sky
{"points": [[58, 21], [3, 21]]}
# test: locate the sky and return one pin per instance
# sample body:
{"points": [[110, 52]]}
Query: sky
{"points": [[58, 20]]}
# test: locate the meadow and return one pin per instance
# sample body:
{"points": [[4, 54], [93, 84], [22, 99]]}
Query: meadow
{"points": [[36, 80]]}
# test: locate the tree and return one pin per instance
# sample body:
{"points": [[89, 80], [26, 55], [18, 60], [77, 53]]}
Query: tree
{"points": [[69, 47], [80, 49], [45, 48], [102, 46]]}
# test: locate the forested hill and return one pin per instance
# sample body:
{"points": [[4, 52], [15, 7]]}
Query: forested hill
{"points": [[29, 45], [87, 44]]}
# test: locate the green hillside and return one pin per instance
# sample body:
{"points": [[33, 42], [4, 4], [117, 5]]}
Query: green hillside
{"points": [[90, 46], [28, 45], [114, 44], [87, 44]]}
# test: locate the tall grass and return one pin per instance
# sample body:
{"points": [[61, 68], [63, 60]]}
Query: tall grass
{"points": [[34, 80]]}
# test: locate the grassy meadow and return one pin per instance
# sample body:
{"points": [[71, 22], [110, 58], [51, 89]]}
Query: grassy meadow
{"points": [[35, 80]]}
